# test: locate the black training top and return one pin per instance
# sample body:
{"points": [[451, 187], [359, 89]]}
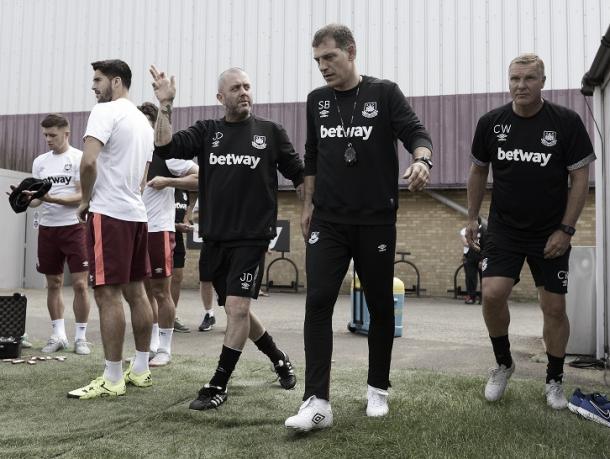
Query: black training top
{"points": [[238, 176], [367, 192], [531, 159]]}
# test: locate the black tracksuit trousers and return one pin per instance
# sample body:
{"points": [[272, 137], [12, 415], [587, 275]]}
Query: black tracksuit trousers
{"points": [[330, 248]]}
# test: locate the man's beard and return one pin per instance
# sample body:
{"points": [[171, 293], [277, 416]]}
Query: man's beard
{"points": [[105, 96]]}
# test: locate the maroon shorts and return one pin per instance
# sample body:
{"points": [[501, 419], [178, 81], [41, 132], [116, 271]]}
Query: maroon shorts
{"points": [[118, 250], [161, 246], [56, 244]]}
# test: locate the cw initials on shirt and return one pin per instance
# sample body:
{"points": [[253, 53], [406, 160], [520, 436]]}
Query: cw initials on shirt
{"points": [[231, 159], [59, 179], [354, 131], [524, 156]]}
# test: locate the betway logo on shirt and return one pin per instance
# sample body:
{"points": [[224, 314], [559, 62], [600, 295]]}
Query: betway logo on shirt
{"points": [[524, 156], [63, 179], [353, 131], [231, 159]]}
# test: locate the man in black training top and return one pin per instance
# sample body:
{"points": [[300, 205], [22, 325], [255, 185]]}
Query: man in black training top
{"points": [[239, 156], [351, 198], [534, 146]]}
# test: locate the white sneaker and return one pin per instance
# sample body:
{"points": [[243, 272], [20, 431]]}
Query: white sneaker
{"points": [[161, 358], [314, 413], [81, 347], [55, 344], [497, 382], [555, 398], [377, 402]]}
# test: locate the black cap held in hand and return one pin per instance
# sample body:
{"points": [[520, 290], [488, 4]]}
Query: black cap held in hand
{"points": [[19, 201]]}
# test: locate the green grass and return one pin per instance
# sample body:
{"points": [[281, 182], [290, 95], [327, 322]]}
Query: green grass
{"points": [[432, 415]]}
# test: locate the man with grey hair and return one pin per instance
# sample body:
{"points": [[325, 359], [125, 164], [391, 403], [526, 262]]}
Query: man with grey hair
{"points": [[239, 156], [534, 146], [349, 211]]}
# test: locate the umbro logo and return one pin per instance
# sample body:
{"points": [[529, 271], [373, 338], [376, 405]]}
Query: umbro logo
{"points": [[501, 131], [158, 270], [245, 286], [382, 248], [317, 418], [216, 139]]}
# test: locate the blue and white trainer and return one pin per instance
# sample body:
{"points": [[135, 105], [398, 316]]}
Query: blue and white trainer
{"points": [[595, 407]]}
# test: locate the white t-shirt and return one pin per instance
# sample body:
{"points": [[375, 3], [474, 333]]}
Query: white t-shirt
{"points": [[63, 171], [160, 205], [128, 143]]}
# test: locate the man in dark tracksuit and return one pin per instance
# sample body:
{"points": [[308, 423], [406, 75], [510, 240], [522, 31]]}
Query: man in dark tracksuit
{"points": [[351, 197], [239, 156]]}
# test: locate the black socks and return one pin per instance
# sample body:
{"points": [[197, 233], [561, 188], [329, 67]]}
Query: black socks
{"points": [[501, 347], [266, 345], [226, 365], [554, 369]]}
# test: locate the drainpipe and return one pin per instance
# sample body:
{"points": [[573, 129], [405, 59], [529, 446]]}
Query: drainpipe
{"points": [[452, 204]]}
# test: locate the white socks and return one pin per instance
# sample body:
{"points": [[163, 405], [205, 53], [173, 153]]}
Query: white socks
{"points": [[140, 363], [210, 312], [154, 338], [165, 339], [113, 371], [81, 331], [59, 328]]}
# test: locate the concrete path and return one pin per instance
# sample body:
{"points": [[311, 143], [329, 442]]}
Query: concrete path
{"points": [[440, 334]]}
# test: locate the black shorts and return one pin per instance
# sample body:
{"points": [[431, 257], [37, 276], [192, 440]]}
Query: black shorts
{"points": [[234, 271], [179, 251], [505, 259]]}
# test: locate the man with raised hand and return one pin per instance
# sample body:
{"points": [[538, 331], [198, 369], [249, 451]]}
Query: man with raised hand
{"points": [[239, 156], [118, 144]]}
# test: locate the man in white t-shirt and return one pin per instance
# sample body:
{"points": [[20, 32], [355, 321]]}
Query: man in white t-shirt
{"points": [[118, 143], [61, 237], [158, 197]]}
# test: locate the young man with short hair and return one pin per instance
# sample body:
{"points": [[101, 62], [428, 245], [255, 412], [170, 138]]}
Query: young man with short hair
{"points": [[118, 144], [61, 237]]}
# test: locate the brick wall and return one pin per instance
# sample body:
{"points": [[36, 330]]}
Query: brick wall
{"points": [[426, 228]]}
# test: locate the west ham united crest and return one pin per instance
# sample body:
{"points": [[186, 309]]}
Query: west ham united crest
{"points": [[259, 141], [549, 138], [68, 167], [370, 110]]}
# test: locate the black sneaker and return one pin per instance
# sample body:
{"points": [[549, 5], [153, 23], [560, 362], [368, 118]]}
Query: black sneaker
{"points": [[209, 397], [179, 327], [208, 323], [285, 373]]}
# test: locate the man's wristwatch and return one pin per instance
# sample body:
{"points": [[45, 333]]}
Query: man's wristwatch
{"points": [[570, 230], [425, 160]]}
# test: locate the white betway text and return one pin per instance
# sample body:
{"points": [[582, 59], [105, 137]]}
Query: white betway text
{"points": [[354, 131], [524, 156], [234, 160]]}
